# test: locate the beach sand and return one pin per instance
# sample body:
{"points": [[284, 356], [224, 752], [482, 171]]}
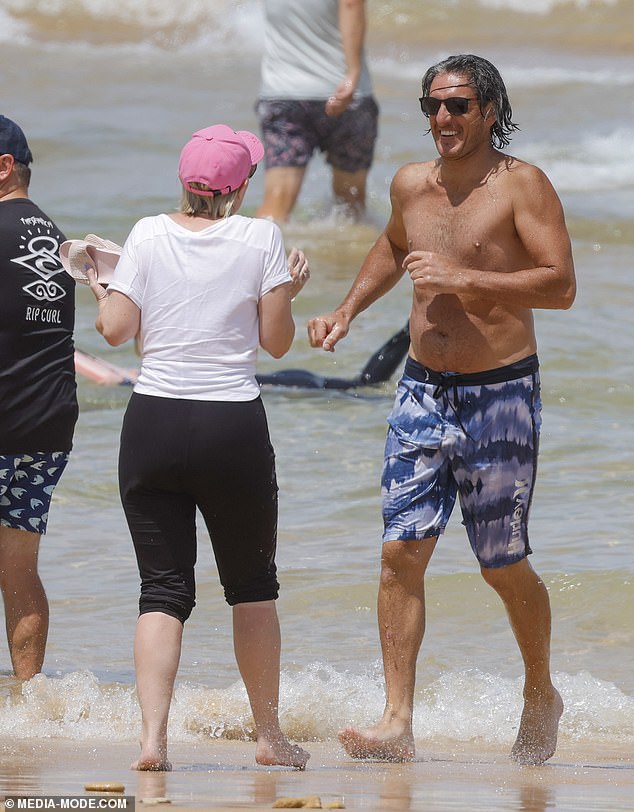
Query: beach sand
{"points": [[222, 775]]}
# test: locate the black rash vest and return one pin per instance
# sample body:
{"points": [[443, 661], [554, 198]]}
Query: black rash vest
{"points": [[38, 396]]}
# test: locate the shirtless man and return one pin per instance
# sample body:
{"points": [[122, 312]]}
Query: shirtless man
{"points": [[483, 238]]}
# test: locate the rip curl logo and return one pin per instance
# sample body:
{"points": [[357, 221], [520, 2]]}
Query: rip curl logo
{"points": [[520, 504], [41, 257]]}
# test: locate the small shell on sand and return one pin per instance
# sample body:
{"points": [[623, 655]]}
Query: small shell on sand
{"points": [[104, 786]]}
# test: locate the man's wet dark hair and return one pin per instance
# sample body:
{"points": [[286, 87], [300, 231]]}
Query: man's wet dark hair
{"points": [[488, 84]]}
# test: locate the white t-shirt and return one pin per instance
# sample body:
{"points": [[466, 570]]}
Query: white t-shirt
{"points": [[198, 292], [303, 55]]}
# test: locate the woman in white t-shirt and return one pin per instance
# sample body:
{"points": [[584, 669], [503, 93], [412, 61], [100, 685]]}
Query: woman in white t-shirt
{"points": [[203, 288]]}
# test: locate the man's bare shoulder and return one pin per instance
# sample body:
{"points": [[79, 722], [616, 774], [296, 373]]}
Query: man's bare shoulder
{"points": [[516, 170], [416, 169], [413, 176], [531, 193]]}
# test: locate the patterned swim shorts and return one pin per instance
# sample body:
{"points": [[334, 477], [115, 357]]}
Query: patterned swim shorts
{"points": [[474, 436], [292, 130], [27, 482]]}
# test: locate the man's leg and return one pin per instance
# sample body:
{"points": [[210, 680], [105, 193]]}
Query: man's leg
{"points": [[282, 185], [401, 616], [526, 600], [256, 640], [348, 189], [25, 602]]}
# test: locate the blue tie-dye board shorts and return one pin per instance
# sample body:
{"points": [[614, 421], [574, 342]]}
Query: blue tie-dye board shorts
{"points": [[27, 482], [474, 436]]}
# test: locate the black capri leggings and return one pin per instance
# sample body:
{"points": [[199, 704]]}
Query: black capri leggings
{"points": [[178, 455]]}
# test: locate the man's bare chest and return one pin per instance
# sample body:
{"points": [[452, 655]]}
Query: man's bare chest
{"points": [[476, 231]]}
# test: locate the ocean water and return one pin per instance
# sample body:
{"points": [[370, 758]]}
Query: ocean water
{"points": [[108, 91]]}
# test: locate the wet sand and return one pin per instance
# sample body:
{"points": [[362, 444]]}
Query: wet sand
{"points": [[222, 775]]}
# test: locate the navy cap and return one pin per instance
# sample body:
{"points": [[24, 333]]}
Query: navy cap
{"points": [[13, 141]]}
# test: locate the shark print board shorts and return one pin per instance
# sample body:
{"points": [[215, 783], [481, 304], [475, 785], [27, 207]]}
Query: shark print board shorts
{"points": [[292, 130], [474, 436], [27, 482]]}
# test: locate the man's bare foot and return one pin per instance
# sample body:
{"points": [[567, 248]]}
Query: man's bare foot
{"points": [[373, 743], [280, 752], [537, 737]]}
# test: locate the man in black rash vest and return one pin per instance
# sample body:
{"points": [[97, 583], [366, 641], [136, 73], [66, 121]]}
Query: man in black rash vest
{"points": [[379, 369], [38, 398]]}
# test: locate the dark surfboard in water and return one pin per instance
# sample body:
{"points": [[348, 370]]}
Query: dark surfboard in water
{"points": [[380, 367]]}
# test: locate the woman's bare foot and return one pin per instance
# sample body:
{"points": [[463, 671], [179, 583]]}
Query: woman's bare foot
{"points": [[537, 737], [379, 743], [279, 751], [151, 764], [155, 760]]}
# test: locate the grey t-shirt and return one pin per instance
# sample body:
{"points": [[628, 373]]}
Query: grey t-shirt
{"points": [[303, 55]]}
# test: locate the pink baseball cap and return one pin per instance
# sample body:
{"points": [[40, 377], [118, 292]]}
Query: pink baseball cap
{"points": [[219, 157]]}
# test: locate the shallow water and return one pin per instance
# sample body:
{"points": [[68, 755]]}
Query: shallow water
{"points": [[107, 93]]}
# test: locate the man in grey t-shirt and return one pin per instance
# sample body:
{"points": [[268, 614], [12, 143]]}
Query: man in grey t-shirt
{"points": [[315, 94]]}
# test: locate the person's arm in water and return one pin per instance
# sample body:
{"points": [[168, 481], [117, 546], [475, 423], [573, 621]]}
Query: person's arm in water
{"points": [[352, 27]]}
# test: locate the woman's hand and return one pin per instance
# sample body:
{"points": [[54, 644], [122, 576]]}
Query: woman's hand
{"points": [[100, 291], [299, 270]]}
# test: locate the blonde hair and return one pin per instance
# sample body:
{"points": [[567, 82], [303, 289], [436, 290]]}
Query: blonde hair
{"points": [[214, 206]]}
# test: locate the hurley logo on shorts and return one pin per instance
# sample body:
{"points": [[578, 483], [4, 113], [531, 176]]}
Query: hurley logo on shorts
{"points": [[520, 505]]}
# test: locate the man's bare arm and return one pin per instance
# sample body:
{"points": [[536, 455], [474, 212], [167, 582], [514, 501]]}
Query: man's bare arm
{"points": [[381, 270]]}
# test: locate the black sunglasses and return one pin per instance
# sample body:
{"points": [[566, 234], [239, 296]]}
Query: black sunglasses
{"points": [[455, 105]]}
